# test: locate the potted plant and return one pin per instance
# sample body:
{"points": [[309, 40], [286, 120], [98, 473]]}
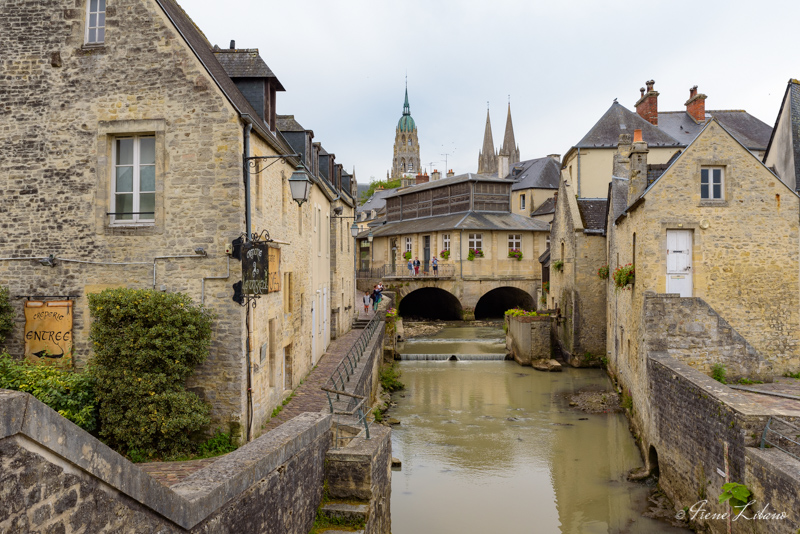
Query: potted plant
{"points": [[602, 272], [624, 275], [474, 253], [558, 265], [445, 254], [407, 255], [515, 253]]}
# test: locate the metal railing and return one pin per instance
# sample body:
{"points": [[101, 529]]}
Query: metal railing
{"points": [[354, 408], [447, 270], [337, 383], [772, 437]]}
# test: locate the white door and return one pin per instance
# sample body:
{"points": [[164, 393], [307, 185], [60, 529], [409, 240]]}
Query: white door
{"points": [[313, 335], [679, 262]]}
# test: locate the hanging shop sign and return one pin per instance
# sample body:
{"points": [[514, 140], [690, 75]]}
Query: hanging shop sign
{"points": [[48, 332], [260, 268]]}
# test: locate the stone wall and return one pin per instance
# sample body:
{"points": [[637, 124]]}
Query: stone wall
{"points": [[774, 477], [58, 478], [528, 338]]}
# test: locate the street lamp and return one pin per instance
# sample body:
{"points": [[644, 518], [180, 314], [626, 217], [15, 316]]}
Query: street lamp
{"points": [[300, 185], [354, 230]]}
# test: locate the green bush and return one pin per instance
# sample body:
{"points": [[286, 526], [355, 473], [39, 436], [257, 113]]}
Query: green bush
{"points": [[390, 378], [146, 344], [68, 392], [6, 314], [718, 373], [519, 312]]}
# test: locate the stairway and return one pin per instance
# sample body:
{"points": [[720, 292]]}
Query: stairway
{"points": [[360, 324]]}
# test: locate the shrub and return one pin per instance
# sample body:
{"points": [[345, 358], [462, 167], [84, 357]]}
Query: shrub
{"points": [[519, 312], [602, 272], [445, 254], [146, 344], [624, 275], [474, 253], [558, 265], [390, 378], [737, 494], [407, 255], [792, 375], [546, 287], [718, 373], [6, 314], [68, 392], [515, 253]]}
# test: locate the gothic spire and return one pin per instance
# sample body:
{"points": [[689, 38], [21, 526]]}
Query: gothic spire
{"points": [[509, 144], [488, 142], [406, 108], [487, 161]]}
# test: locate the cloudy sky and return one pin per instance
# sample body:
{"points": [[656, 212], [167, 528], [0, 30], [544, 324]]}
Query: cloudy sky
{"points": [[343, 64]]}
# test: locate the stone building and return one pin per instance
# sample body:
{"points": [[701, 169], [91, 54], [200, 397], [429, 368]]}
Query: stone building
{"points": [[490, 161], [716, 227], [136, 179], [535, 183], [406, 145], [666, 132]]}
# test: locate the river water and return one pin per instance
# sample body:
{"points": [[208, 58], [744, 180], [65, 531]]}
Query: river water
{"points": [[494, 447]]}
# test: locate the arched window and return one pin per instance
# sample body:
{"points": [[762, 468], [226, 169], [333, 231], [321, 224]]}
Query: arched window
{"points": [[403, 141], [409, 142]]}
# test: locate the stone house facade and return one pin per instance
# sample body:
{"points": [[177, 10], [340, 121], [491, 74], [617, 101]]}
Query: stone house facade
{"points": [[92, 101], [718, 226]]}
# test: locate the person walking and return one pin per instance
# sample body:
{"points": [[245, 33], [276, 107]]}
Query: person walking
{"points": [[410, 267], [416, 265], [435, 265], [376, 297], [366, 301]]}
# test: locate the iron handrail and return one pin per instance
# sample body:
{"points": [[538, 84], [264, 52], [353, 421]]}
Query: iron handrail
{"points": [[356, 410], [767, 429]]}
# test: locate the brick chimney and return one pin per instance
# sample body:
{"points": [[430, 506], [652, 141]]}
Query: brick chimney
{"points": [[450, 173], [422, 179], [647, 105], [696, 105], [638, 158], [436, 175], [502, 165]]}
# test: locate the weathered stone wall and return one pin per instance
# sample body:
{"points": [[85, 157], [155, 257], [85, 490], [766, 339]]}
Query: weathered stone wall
{"points": [[774, 477], [58, 478], [528, 338]]}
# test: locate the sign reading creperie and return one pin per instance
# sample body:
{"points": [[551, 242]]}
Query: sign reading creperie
{"points": [[48, 332]]}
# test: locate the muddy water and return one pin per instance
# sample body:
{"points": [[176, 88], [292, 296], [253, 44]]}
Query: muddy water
{"points": [[493, 447]]}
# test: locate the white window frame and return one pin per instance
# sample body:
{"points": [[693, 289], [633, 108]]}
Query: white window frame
{"points": [[408, 244], [445, 241], [136, 218], [514, 242], [99, 22], [522, 201], [475, 241], [711, 184]]}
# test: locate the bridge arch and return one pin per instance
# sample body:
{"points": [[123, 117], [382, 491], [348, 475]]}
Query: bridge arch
{"points": [[495, 302], [430, 303]]}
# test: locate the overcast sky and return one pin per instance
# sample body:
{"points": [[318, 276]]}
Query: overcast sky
{"points": [[343, 64]]}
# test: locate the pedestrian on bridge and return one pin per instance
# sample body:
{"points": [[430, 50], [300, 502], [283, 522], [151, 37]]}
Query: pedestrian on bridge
{"points": [[410, 267], [366, 301], [435, 265], [417, 264]]}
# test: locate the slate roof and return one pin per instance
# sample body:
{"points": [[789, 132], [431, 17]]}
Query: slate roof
{"points": [[540, 173], [377, 201], [654, 170], [793, 105], [470, 220], [619, 196], [545, 208], [468, 177], [618, 120], [245, 63], [593, 212], [287, 123], [753, 133]]}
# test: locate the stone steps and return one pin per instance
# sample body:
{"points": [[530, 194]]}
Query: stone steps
{"points": [[345, 515]]}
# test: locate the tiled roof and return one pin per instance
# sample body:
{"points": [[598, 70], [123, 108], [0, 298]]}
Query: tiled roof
{"points": [[618, 120], [468, 177], [619, 197], [748, 130], [545, 208], [470, 220], [377, 201], [245, 63], [593, 212], [540, 173], [286, 123]]}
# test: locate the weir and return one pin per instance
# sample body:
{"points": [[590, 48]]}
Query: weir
{"points": [[445, 357]]}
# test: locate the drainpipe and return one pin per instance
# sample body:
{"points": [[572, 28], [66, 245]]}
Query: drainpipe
{"points": [[461, 253], [247, 212], [579, 172]]}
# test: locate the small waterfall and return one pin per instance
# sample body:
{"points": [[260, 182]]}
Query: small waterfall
{"points": [[457, 357]]}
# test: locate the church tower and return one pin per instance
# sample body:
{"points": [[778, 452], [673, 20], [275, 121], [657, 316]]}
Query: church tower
{"points": [[487, 158], [510, 147], [406, 145]]}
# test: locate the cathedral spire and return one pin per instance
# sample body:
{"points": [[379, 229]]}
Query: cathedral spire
{"points": [[509, 144], [487, 161], [406, 108]]}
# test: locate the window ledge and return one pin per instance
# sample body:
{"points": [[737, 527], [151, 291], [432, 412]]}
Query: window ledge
{"points": [[131, 229], [93, 47], [713, 203]]}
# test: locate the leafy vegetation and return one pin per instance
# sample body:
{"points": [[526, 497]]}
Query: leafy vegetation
{"points": [[146, 344], [624, 275], [444, 254], [627, 401], [558, 265], [515, 253], [737, 494], [602, 272], [792, 375], [390, 378], [386, 184], [70, 393], [6, 314], [718, 373], [519, 312], [474, 253]]}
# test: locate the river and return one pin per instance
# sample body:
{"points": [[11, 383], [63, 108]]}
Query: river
{"points": [[494, 447]]}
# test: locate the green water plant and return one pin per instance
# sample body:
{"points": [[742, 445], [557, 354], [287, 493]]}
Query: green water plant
{"points": [[738, 495]]}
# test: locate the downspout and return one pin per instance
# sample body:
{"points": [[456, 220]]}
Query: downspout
{"points": [[579, 172], [461, 252], [247, 217], [247, 213]]}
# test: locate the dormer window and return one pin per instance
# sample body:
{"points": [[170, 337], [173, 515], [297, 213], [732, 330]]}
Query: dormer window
{"points": [[95, 21]]}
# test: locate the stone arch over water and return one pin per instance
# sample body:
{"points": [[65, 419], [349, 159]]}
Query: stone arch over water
{"points": [[430, 303], [495, 302]]}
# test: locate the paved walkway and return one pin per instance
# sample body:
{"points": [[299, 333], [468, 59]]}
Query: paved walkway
{"points": [[783, 405], [308, 397]]}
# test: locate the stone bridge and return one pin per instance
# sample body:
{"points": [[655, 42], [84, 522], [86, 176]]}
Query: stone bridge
{"points": [[454, 297]]}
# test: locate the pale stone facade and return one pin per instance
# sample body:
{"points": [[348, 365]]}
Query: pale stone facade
{"points": [[69, 103]]}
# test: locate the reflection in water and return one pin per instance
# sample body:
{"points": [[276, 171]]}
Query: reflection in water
{"points": [[492, 447]]}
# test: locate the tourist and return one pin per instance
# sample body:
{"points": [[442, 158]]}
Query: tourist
{"points": [[416, 265], [376, 297], [435, 265], [410, 267], [366, 301]]}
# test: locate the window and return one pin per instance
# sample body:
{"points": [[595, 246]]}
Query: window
{"points": [[446, 242], [134, 195], [711, 183], [476, 241], [95, 21], [408, 244], [522, 201], [514, 242]]}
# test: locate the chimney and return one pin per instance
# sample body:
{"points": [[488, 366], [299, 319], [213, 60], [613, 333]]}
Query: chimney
{"points": [[555, 157], [647, 105], [502, 165], [436, 175], [638, 167], [696, 105], [622, 161], [422, 179], [450, 173], [233, 44]]}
